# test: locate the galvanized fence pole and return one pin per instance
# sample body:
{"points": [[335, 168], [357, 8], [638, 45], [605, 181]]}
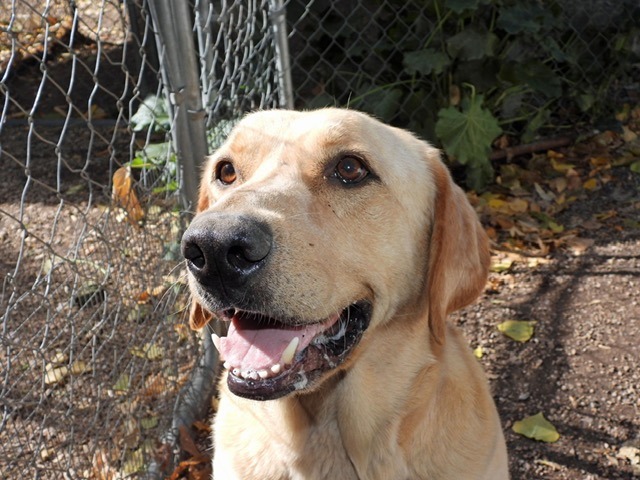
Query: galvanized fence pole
{"points": [[278, 16], [181, 77]]}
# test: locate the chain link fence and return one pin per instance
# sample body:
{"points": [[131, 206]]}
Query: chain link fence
{"points": [[96, 359], [107, 110]]}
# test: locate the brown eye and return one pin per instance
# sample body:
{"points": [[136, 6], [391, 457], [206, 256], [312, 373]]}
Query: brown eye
{"points": [[351, 170], [226, 173]]}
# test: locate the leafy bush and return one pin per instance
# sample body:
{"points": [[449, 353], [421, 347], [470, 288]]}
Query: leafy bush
{"points": [[466, 71]]}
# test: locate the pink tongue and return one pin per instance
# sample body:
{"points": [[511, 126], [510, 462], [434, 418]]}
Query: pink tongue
{"points": [[259, 349]]}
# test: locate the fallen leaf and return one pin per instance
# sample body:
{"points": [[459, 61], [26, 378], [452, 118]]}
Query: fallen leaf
{"points": [[55, 375], [519, 330], [101, 468], [46, 454], [600, 162], [148, 423], [79, 367], [547, 196], [536, 427], [123, 383], [561, 167], [478, 352], [635, 167], [189, 445], [134, 462], [590, 184], [628, 135], [124, 195], [501, 265], [150, 351], [559, 184], [579, 245]]}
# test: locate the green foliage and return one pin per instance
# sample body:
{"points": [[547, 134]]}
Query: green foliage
{"points": [[466, 135], [153, 114], [533, 67]]}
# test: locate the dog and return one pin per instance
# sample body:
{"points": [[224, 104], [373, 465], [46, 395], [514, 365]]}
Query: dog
{"points": [[333, 247]]}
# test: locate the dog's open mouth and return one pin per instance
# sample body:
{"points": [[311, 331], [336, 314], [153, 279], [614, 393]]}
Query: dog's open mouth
{"points": [[268, 359]]}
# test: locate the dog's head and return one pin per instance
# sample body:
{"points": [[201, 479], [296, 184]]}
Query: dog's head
{"points": [[313, 230]]}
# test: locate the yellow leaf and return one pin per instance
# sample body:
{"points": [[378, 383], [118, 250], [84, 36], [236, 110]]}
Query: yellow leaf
{"points": [[124, 195], [590, 184], [561, 167], [554, 154], [478, 352], [55, 375], [536, 427], [123, 383], [502, 265], [80, 367], [150, 351], [519, 330]]}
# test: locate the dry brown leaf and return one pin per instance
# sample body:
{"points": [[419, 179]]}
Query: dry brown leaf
{"points": [[187, 444], [579, 245], [124, 195], [101, 468]]}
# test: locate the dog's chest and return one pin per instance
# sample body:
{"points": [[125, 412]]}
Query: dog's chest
{"points": [[254, 441]]}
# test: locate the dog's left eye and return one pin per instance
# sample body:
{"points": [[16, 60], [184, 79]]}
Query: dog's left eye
{"points": [[226, 173], [351, 170]]}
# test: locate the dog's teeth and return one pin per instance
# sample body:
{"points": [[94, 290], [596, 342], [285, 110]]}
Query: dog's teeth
{"points": [[252, 375], [290, 351], [226, 365], [263, 374], [236, 372], [216, 341], [275, 369]]}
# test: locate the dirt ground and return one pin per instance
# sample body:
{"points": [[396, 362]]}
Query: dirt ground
{"points": [[581, 367]]}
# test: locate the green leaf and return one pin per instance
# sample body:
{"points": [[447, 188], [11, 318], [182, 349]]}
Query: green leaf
{"points": [[152, 112], [519, 330], [635, 167], [536, 427], [472, 44], [388, 104], [425, 61], [534, 74], [520, 18], [467, 135]]}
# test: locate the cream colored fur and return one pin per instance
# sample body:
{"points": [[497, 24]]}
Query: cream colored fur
{"points": [[411, 402]]}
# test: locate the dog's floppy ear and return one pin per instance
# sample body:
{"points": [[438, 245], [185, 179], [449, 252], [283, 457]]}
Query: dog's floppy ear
{"points": [[198, 316], [458, 253]]}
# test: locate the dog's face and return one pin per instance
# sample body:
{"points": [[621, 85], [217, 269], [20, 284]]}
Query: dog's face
{"points": [[313, 230]]}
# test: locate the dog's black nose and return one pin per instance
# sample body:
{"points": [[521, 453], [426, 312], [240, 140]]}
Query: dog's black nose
{"points": [[226, 248]]}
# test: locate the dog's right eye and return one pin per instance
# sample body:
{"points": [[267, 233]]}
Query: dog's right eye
{"points": [[226, 173]]}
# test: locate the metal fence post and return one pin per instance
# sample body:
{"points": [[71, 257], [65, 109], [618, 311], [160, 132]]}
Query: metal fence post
{"points": [[179, 67], [278, 16]]}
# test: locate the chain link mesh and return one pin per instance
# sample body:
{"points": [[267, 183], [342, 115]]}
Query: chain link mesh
{"points": [[94, 346]]}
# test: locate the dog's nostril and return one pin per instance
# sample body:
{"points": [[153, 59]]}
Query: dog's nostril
{"points": [[240, 257], [194, 254]]}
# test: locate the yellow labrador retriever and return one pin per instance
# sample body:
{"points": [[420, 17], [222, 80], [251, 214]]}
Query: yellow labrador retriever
{"points": [[335, 246]]}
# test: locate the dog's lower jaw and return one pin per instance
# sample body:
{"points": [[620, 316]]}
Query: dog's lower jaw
{"points": [[375, 440]]}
